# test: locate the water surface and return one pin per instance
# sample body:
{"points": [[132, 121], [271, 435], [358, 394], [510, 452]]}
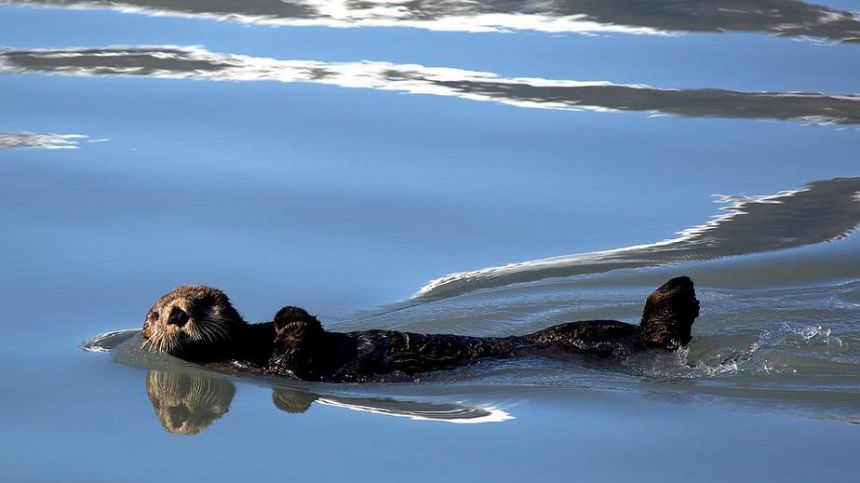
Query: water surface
{"points": [[485, 168]]}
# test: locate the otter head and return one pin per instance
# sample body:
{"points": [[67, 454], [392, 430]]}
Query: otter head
{"points": [[191, 321]]}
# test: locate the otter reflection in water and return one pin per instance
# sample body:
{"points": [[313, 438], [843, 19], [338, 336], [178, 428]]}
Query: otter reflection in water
{"points": [[200, 325], [187, 403]]}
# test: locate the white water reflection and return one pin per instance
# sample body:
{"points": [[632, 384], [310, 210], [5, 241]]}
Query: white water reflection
{"points": [[655, 17], [449, 413], [527, 92]]}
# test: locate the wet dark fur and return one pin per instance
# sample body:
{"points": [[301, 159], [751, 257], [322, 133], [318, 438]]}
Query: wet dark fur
{"points": [[295, 343]]}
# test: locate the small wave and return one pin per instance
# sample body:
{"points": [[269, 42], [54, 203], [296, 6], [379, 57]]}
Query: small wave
{"points": [[850, 296], [788, 349], [823, 211], [805, 335], [108, 341]]}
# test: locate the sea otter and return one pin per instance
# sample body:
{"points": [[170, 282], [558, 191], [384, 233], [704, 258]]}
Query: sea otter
{"points": [[198, 324]]}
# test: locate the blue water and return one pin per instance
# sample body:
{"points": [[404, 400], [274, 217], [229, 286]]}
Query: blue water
{"points": [[343, 161]]}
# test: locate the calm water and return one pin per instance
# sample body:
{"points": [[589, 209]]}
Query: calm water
{"points": [[487, 168]]}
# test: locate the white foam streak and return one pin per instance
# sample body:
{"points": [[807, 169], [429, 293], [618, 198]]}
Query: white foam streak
{"points": [[30, 140], [493, 415]]}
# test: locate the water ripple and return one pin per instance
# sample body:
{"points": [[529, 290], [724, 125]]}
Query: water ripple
{"points": [[528, 92], [656, 17], [822, 211]]}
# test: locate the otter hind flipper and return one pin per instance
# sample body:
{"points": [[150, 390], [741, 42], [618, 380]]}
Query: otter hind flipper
{"points": [[667, 319]]}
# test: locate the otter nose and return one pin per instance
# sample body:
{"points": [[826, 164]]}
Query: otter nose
{"points": [[177, 317]]}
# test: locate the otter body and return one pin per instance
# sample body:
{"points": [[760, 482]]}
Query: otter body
{"points": [[198, 324], [371, 354]]}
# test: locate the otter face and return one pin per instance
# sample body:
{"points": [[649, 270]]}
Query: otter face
{"points": [[190, 317]]}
